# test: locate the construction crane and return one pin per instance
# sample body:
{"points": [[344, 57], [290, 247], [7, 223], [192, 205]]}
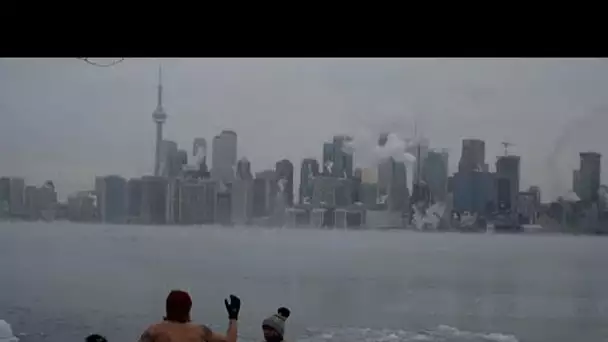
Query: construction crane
{"points": [[506, 145]]}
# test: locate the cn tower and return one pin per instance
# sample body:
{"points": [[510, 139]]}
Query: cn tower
{"points": [[159, 116]]}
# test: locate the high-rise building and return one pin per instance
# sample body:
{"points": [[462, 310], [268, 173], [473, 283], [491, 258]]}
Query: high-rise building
{"points": [[308, 171], [343, 158], [223, 213], [473, 155], [474, 192], [5, 186], [154, 200], [324, 191], [242, 201], [265, 191], [419, 149], [169, 160], [344, 193], [192, 194], [356, 182], [46, 201], [16, 197], [111, 194], [328, 159], [589, 176], [81, 207], [134, 199], [507, 182], [159, 116], [210, 202], [284, 174], [31, 205], [172, 214], [435, 174], [369, 195], [392, 185], [337, 159], [576, 179], [243, 169], [181, 159], [199, 152], [224, 152]]}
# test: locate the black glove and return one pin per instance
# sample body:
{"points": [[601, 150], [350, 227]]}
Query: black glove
{"points": [[233, 307]]}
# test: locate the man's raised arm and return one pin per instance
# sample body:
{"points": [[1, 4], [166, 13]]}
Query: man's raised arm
{"points": [[233, 307]]}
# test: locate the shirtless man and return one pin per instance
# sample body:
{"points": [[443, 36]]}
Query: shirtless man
{"points": [[176, 326]]}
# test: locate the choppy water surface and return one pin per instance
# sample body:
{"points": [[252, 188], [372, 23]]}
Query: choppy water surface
{"points": [[62, 281]]}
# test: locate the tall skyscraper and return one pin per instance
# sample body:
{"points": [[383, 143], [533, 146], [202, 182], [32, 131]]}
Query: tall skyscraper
{"points": [[473, 155], [111, 194], [589, 176], [392, 185], [473, 186], [31, 210], [5, 186], [284, 173], [224, 152], [337, 159], [324, 191], [154, 199], [343, 159], [308, 171], [191, 202], [507, 182], [420, 150], [473, 192], [199, 152], [242, 201], [243, 169], [134, 199], [328, 159], [182, 159], [16, 196], [159, 116], [435, 174], [211, 201], [264, 193], [169, 162]]}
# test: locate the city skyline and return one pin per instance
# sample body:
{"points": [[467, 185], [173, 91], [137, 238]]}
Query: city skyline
{"points": [[542, 106]]}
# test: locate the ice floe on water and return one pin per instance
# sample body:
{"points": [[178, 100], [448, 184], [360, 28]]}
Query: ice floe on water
{"points": [[6, 332], [442, 333]]}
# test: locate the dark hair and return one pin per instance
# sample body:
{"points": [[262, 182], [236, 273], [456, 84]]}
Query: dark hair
{"points": [[178, 306], [283, 311], [95, 338]]}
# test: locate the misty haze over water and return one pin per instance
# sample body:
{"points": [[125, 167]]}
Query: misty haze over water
{"points": [[61, 281]]}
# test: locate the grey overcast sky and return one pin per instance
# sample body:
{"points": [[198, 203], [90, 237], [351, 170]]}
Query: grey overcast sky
{"points": [[65, 120]]}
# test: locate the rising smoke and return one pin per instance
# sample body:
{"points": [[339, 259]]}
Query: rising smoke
{"points": [[586, 133], [199, 150], [391, 146]]}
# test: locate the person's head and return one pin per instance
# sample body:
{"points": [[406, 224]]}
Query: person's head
{"points": [[95, 338], [178, 307], [274, 326]]}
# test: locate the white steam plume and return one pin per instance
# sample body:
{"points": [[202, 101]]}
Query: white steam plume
{"points": [[348, 146], [395, 148]]}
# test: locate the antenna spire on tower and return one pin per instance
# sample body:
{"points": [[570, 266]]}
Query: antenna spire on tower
{"points": [[506, 145], [160, 86]]}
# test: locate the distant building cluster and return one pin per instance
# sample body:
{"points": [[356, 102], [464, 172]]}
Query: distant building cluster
{"points": [[184, 189]]}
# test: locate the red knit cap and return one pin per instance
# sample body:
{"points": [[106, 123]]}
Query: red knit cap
{"points": [[178, 306]]}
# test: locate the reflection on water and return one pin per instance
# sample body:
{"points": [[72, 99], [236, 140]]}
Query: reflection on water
{"points": [[68, 280]]}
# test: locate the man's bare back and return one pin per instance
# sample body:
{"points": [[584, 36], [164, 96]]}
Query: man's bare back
{"points": [[176, 326], [177, 332]]}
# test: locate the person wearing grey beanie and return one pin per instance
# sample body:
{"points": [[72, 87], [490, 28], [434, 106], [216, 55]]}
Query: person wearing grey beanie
{"points": [[274, 326]]}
